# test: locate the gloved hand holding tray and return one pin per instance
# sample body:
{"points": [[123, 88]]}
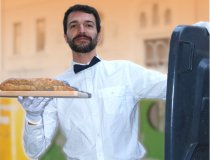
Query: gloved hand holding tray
{"points": [[39, 87]]}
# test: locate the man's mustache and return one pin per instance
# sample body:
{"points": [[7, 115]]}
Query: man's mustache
{"points": [[82, 36]]}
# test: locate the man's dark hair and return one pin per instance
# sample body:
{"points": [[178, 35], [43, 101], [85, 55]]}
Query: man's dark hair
{"points": [[83, 8]]}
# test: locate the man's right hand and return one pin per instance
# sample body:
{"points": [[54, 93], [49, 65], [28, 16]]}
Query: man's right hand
{"points": [[34, 107]]}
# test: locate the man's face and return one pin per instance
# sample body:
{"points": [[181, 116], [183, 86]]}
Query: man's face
{"points": [[81, 35]]}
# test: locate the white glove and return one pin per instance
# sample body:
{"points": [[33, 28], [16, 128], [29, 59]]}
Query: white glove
{"points": [[34, 107], [203, 24]]}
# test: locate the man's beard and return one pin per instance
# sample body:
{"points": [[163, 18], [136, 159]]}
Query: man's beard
{"points": [[82, 48]]}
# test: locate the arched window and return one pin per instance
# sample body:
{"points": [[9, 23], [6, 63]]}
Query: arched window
{"points": [[161, 49], [40, 34], [167, 16], [149, 53], [17, 33], [155, 14], [143, 19], [156, 52]]}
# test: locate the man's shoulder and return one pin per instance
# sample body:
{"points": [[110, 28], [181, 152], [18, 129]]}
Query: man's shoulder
{"points": [[117, 62], [121, 64], [118, 66], [64, 75]]}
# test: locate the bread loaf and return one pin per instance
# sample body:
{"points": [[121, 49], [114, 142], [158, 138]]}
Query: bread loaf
{"points": [[34, 84]]}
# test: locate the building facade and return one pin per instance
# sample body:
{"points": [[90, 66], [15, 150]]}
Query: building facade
{"points": [[32, 43]]}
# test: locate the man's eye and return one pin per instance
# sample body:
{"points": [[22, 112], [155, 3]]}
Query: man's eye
{"points": [[89, 25], [73, 26]]}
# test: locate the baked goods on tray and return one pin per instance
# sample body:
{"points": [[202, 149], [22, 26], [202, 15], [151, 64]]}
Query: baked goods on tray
{"points": [[34, 84]]}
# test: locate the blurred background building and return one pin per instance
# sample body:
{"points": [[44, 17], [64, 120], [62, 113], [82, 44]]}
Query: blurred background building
{"points": [[32, 45]]}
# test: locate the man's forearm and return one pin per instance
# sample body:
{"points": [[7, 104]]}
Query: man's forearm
{"points": [[35, 142]]}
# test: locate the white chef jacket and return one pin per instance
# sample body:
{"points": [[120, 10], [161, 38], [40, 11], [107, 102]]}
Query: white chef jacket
{"points": [[105, 126]]}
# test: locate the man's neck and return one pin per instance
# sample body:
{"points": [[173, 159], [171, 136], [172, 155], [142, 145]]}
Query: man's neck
{"points": [[83, 58]]}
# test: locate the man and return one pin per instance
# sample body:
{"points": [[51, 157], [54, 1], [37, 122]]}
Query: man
{"points": [[105, 126]]}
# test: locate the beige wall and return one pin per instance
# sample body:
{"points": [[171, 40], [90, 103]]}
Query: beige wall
{"points": [[122, 35]]}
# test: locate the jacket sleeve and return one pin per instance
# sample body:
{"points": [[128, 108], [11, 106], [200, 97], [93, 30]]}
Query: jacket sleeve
{"points": [[37, 138]]}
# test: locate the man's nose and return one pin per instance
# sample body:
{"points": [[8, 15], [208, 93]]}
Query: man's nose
{"points": [[81, 28]]}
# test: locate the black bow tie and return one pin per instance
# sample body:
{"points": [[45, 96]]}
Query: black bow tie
{"points": [[78, 68]]}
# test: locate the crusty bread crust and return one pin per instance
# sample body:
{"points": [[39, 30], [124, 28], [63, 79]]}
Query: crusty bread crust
{"points": [[34, 84]]}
